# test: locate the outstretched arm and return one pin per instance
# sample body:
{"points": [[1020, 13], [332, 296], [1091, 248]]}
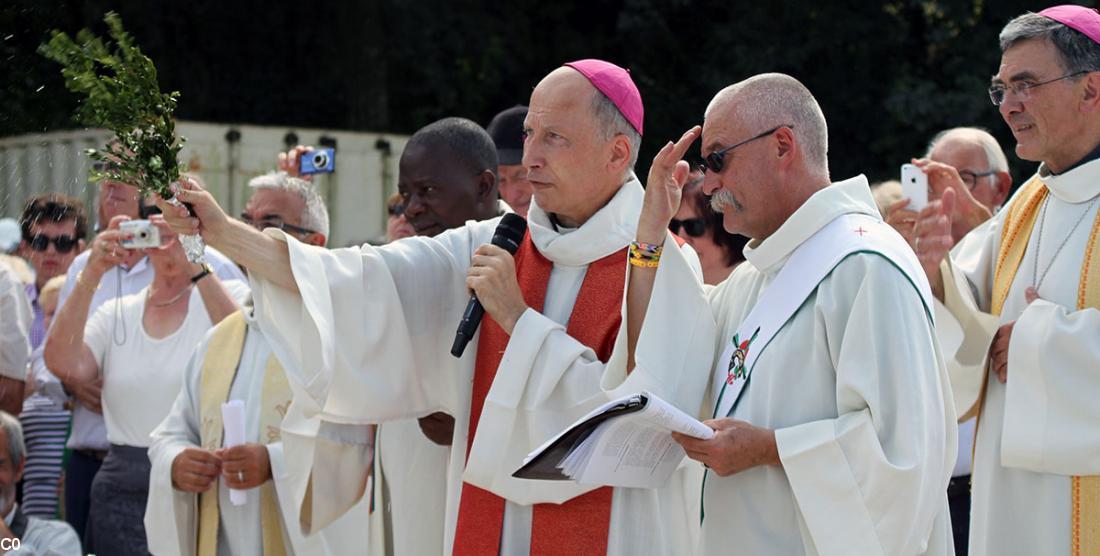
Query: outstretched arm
{"points": [[263, 256]]}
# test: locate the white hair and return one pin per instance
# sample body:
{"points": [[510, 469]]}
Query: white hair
{"points": [[315, 215], [14, 429], [994, 154], [611, 122], [774, 99]]}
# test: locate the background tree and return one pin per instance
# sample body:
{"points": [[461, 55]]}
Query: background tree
{"points": [[888, 75]]}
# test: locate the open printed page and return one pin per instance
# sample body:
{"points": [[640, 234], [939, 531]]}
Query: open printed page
{"points": [[624, 443]]}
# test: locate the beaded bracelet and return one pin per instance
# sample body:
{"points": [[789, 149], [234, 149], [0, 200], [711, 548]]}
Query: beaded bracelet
{"points": [[646, 255]]}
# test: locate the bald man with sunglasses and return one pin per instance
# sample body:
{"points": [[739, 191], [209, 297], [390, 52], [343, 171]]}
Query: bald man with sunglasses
{"points": [[826, 386]]}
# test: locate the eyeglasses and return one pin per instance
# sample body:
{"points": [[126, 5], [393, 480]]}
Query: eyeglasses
{"points": [[971, 178], [1022, 90], [713, 161], [396, 210], [694, 227], [63, 244], [274, 222]]}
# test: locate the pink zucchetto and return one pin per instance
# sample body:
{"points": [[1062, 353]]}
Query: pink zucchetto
{"points": [[615, 83], [1080, 18]]}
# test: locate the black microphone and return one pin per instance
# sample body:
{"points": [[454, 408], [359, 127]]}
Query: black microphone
{"points": [[507, 236]]}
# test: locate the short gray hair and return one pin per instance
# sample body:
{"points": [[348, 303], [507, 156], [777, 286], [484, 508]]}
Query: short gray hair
{"points": [[315, 216], [774, 99], [16, 449], [1076, 51], [994, 154], [610, 122]]}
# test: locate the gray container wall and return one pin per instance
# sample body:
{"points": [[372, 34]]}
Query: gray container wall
{"points": [[366, 169]]}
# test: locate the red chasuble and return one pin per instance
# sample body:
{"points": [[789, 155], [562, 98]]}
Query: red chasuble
{"points": [[580, 525]]}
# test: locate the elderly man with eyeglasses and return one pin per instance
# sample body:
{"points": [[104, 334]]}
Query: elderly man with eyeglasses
{"points": [[190, 509], [984, 179], [983, 170], [827, 389], [1026, 286]]}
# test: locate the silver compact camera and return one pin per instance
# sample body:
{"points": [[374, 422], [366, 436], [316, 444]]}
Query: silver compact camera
{"points": [[143, 234]]}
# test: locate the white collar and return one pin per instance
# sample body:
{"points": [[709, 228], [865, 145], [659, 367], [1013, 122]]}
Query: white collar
{"points": [[845, 197], [609, 230], [11, 515], [1075, 186]]}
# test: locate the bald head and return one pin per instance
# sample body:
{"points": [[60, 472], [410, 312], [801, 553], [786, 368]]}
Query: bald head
{"points": [[972, 137], [980, 161], [768, 100], [578, 152]]}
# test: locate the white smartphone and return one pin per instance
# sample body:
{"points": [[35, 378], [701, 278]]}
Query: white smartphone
{"points": [[914, 186]]}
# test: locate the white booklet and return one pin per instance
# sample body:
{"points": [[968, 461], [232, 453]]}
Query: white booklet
{"points": [[623, 443]]}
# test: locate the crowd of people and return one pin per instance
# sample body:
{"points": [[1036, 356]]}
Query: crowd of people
{"points": [[881, 378]]}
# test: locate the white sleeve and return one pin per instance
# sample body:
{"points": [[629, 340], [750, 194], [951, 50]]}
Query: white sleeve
{"points": [[1051, 414], [100, 329], [15, 324], [223, 267], [238, 290], [367, 336], [873, 479], [365, 339]]}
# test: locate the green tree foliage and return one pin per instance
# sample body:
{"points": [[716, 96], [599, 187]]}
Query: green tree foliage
{"points": [[119, 90], [888, 75]]}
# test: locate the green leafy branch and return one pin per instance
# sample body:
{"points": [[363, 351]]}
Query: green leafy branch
{"points": [[121, 93]]}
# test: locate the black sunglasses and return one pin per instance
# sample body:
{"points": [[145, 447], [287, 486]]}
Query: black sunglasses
{"points": [[694, 227], [713, 161], [274, 222], [63, 244]]}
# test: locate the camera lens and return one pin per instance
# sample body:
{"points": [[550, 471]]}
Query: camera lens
{"points": [[143, 234], [320, 160]]}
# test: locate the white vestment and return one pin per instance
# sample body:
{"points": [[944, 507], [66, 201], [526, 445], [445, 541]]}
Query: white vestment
{"points": [[853, 385], [411, 471], [1043, 425], [171, 516], [368, 340], [15, 325]]}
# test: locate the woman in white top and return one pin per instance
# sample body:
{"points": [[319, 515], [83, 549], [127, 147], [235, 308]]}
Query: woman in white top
{"points": [[140, 345]]}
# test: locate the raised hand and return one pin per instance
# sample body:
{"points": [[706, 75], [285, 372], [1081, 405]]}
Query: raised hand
{"points": [[289, 162], [664, 187], [107, 250], [932, 238], [902, 219], [967, 212], [208, 219]]}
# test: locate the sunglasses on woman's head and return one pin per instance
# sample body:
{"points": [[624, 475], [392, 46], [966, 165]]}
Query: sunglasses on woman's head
{"points": [[63, 244], [694, 227]]}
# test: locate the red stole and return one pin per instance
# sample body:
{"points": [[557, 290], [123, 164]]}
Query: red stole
{"points": [[580, 525]]}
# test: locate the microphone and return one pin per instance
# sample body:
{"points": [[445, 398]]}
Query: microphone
{"points": [[507, 236]]}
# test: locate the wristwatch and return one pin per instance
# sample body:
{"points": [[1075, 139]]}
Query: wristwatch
{"points": [[206, 271]]}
